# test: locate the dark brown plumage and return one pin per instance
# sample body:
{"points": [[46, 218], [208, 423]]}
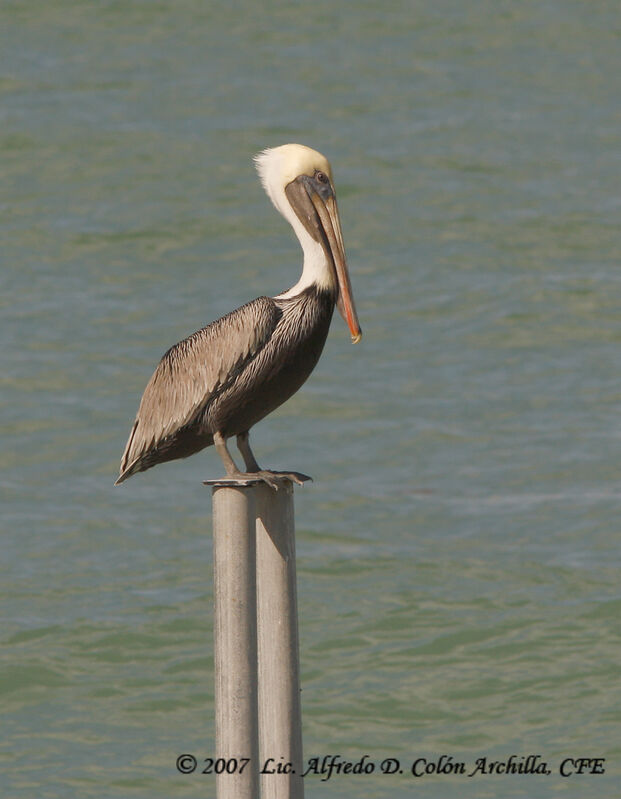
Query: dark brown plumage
{"points": [[204, 385]]}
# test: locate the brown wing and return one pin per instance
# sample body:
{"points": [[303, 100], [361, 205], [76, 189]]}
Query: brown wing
{"points": [[191, 372]]}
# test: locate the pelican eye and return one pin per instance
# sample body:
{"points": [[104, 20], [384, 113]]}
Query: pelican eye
{"points": [[321, 177]]}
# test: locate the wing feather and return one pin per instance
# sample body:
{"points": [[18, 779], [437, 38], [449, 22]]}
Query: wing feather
{"points": [[191, 373]]}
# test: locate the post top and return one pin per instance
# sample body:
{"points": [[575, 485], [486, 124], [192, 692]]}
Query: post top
{"points": [[235, 482], [266, 477]]}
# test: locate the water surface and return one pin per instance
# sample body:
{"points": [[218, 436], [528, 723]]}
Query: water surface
{"points": [[458, 553]]}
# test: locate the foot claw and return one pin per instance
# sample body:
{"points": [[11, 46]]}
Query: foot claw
{"points": [[272, 477], [267, 477], [295, 477]]}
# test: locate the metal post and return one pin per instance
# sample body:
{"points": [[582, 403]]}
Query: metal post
{"points": [[235, 632], [280, 718]]}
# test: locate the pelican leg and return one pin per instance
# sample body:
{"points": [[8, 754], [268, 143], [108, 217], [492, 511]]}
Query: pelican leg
{"points": [[243, 444], [234, 473], [222, 450]]}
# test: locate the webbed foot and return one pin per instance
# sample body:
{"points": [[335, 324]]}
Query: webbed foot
{"points": [[261, 476]]}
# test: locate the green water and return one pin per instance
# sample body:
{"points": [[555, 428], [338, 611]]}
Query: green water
{"points": [[458, 552]]}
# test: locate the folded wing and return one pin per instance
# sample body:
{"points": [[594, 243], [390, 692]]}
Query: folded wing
{"points": [[191, 374]]}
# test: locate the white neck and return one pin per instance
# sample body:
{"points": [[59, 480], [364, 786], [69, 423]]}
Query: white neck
{"points": [[316, 270]]}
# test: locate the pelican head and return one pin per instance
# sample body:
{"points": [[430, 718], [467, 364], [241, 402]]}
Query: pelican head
{"points": [[299, 183]]}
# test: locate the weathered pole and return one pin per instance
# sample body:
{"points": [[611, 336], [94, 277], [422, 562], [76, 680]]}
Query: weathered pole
{"points": [[235, 644], [257, 695], [280, 716]]}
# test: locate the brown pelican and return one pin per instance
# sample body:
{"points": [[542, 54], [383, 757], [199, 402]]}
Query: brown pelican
{"points": [[225, 378]]}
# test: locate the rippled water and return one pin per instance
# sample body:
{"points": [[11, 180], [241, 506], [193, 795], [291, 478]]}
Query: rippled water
{"points": [[458, 553]]}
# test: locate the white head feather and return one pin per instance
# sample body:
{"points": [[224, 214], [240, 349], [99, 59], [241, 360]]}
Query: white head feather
{"points": [[277, 167]]}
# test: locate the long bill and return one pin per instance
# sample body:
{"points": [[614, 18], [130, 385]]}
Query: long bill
{"points": [[328, 214]]}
